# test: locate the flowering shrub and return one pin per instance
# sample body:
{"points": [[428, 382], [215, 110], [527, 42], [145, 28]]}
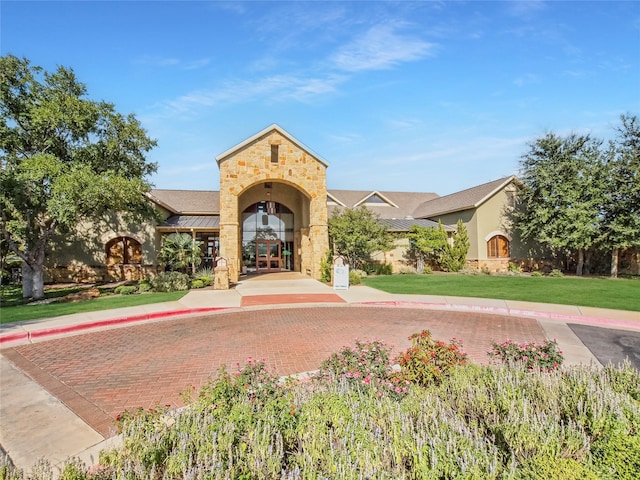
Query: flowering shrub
{"points": [[362, 363], [532, 356], [429, 360], [256, 381]]}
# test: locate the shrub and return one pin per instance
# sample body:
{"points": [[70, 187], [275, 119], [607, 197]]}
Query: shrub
{"points": [[370, 268], [126, 290], [515, 268], [532, 356], [556, 273], [170, 282], [427, 270], [428, 360], [144, 285], [368, 359], [326, 266], [618, 456], [384, 269], [354, 277], [543, 467], [203, 278], [407, 270], [537, 273]]}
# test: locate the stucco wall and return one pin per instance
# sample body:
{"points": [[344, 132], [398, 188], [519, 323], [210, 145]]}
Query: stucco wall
{"points": [[80, 255]]}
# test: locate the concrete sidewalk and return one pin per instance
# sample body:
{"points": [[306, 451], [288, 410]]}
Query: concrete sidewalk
{"points": [[34, 423]]}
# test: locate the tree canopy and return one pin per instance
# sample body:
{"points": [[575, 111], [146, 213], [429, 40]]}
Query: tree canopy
{"points": [[63, 158], [577, 195], [621, 195], [355, 234]]}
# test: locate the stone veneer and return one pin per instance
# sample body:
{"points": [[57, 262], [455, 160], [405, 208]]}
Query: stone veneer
{"points": [[248, 166]]}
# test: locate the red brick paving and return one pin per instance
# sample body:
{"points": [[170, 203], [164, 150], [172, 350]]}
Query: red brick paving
{"points": [[99, 374], [288, 298]]}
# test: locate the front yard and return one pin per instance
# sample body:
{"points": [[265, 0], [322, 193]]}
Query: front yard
{"points": [[14, 310], [620, 294]]}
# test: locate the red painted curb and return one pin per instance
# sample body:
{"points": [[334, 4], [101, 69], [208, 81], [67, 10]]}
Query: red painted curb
{"points": [[14, 337], [46, 332], [510, 311]]}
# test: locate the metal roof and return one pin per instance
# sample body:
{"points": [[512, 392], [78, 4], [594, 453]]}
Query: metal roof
{"points": [[405, 224], [195, 222]]}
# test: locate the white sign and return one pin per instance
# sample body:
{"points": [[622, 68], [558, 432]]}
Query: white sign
{"points": [[341, 277]]}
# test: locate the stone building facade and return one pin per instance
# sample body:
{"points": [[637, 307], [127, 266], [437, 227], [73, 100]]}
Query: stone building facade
{"points": [[272, 170]]}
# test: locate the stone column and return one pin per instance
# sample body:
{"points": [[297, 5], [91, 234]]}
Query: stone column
{"points": [[229, 238]]}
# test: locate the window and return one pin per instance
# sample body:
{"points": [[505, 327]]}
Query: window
{"points": [[498, 247], [123, 250], [274, 153]]}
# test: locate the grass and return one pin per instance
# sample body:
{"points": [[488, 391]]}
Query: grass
{"points": [[13, 311], [620, 294]]}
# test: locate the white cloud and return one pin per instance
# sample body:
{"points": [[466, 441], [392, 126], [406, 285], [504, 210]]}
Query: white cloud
{"points": [[274, 89], [164, 62], [381, 48], [526, 79]]}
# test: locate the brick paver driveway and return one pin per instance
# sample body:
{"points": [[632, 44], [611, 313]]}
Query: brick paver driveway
{"points": [[98, 375]]}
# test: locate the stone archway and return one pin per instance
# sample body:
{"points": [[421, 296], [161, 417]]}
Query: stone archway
{"points": [[272, 166]]}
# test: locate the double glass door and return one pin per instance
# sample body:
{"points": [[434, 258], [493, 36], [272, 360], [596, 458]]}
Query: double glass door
{"points": [[268, 255]]}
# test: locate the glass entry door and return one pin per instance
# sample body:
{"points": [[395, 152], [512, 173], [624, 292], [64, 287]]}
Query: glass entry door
{"points": [[268, 255]]}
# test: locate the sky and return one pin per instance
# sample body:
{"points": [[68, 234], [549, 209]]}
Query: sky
{"points": [[395, 96]]}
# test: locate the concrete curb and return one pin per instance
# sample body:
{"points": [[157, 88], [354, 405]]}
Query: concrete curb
{"points": [[19, 338], [514, 312]]}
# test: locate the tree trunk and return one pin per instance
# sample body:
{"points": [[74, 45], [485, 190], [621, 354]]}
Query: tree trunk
{"points": [[27, 280], [33, 277], [614, 263], [580, 262]]}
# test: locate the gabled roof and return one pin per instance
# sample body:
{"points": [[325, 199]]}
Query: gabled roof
{"points": [[464, 200], [399, 204], [193, 202], [376, 198], [274, 127]]}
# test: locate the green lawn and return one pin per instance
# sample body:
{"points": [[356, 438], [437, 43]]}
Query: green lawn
{"points": [[621, 294], [29, 312]]}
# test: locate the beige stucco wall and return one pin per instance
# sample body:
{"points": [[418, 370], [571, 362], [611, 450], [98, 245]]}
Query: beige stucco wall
{"points": [[298, 180], [80, 255]]}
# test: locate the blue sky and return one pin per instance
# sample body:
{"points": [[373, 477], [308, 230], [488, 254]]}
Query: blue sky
{"points": [[425, 96]]}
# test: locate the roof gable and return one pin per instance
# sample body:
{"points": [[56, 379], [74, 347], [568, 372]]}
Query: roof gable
{"points": [[377, 199], [271, 128], [464, 200]]}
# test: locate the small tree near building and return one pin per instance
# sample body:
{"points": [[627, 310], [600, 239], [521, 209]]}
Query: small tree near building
{"points": [[426, 245], [430, 244], [180, 252], [356, 233], [454, 257]]}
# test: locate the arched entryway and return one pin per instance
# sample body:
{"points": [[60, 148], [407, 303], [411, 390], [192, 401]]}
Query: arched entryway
{"points": [[267, 238], [274, 228]]}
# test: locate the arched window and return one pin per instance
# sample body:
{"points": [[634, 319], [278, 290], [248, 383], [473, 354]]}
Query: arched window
{"points": [[123, 251], [498, 247]]}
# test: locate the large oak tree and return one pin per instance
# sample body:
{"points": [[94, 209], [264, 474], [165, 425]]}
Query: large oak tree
{"points": [[63, 159], [561, 198]]}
